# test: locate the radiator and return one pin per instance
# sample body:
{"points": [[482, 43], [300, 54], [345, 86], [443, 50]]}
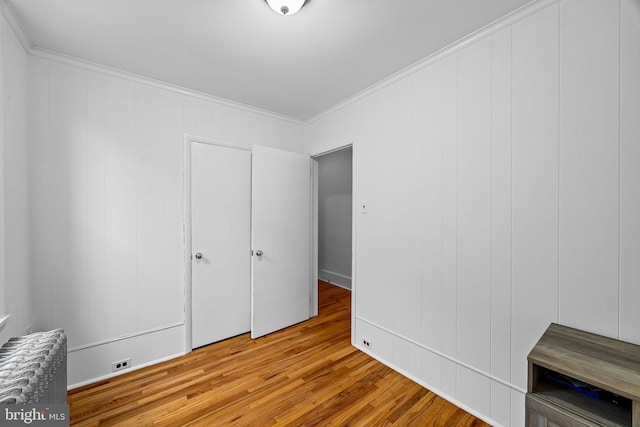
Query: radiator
{"points": [[33, 369]]}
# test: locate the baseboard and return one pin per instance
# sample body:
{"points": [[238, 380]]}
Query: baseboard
{"points": [[133, 368], [335, 278], [383, 343]]}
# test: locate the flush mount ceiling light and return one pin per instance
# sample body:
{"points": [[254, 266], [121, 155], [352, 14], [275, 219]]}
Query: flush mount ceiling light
{"points": [[286, 7]]}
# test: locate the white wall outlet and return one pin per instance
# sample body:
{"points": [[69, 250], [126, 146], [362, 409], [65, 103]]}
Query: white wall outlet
{"points": [[121, 364], [367, 343], [364, 207]]}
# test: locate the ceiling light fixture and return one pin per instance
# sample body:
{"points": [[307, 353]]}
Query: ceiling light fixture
{"points": [[286, 7]]}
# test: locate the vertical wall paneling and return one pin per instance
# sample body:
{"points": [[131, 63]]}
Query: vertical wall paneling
{"points": [[403, 140], [15, 219], [415, 361], [473, 297], [401, 353], [375, 228], [432, 209], [431, 368], [534, 183], [473, 389], [69, 192], [173, 151], [501, 205], [517, 408], [589, 165], [449, 221], [495, 184], [500, 403], [150, 208], [96, 209], [407, 203], [384, 206], [105, 193], [474, 205], [501, 224], [39, 196], [629, 171], [520, 125], [121, 202], [414, 133], [365, 225], [432, 220], [3, 291]]}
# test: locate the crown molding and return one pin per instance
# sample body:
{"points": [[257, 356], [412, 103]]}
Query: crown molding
{"points": [[9, 14], [529, 9], [50, 55], [519, 14]]}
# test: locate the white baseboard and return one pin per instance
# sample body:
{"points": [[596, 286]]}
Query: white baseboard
{"points": [[133, 368], [335, 278]]}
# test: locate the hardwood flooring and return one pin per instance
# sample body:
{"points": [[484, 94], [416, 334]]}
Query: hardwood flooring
{"points": [[306, 375]]}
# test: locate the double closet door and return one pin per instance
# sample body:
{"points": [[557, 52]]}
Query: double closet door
{"points": [[250, 241]]}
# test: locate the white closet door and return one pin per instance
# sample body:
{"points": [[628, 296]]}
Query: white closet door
{"points": [[281, 204], [221, 259]]}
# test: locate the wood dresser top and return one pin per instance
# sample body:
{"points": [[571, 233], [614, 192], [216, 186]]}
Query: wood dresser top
{"points": [[600, 361]]}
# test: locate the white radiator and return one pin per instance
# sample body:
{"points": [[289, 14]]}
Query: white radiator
{"points": [[33, 369]]}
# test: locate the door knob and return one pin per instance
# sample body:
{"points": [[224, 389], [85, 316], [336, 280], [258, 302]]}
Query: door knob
{"points": [[198, 255], [259, 252]]}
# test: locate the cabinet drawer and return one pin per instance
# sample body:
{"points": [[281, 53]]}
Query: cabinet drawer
{"points": [[541, 413]]}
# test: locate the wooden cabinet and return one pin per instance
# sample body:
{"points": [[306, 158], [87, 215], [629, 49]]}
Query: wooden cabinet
{"points": [[577, 378]]}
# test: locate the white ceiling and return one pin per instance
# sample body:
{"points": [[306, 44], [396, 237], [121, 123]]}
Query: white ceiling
{"points": [[240, 50]]}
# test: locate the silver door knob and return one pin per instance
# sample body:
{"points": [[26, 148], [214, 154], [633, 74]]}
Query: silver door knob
{"points": [[198, 255], [259, 252]]}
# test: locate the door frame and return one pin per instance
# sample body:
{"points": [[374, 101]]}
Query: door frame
{"points": [[354, 218], [187, 244]]}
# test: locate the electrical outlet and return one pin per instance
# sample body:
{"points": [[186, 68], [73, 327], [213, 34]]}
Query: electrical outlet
{"points": [[121, 364], [366, 343]]}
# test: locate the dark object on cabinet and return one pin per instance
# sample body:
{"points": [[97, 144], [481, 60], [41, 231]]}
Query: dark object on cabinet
{"points": [[578, 378]]}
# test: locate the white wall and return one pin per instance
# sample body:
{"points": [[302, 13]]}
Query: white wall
{"points": [[334, 217], [106, 182], [629, 171], [502, 183], [15, 265], [502, 179], [3, 311]]}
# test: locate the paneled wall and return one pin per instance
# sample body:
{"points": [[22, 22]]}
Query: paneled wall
{"points": [[106, 207], [629, 171], [14, 261], [502, 183], [502, 179], [3, 24]]}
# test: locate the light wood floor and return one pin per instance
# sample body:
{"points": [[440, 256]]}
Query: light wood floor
{"points": [[306, 375]]}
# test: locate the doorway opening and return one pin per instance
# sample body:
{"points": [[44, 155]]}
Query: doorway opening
{"points": [[334, 171]]}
